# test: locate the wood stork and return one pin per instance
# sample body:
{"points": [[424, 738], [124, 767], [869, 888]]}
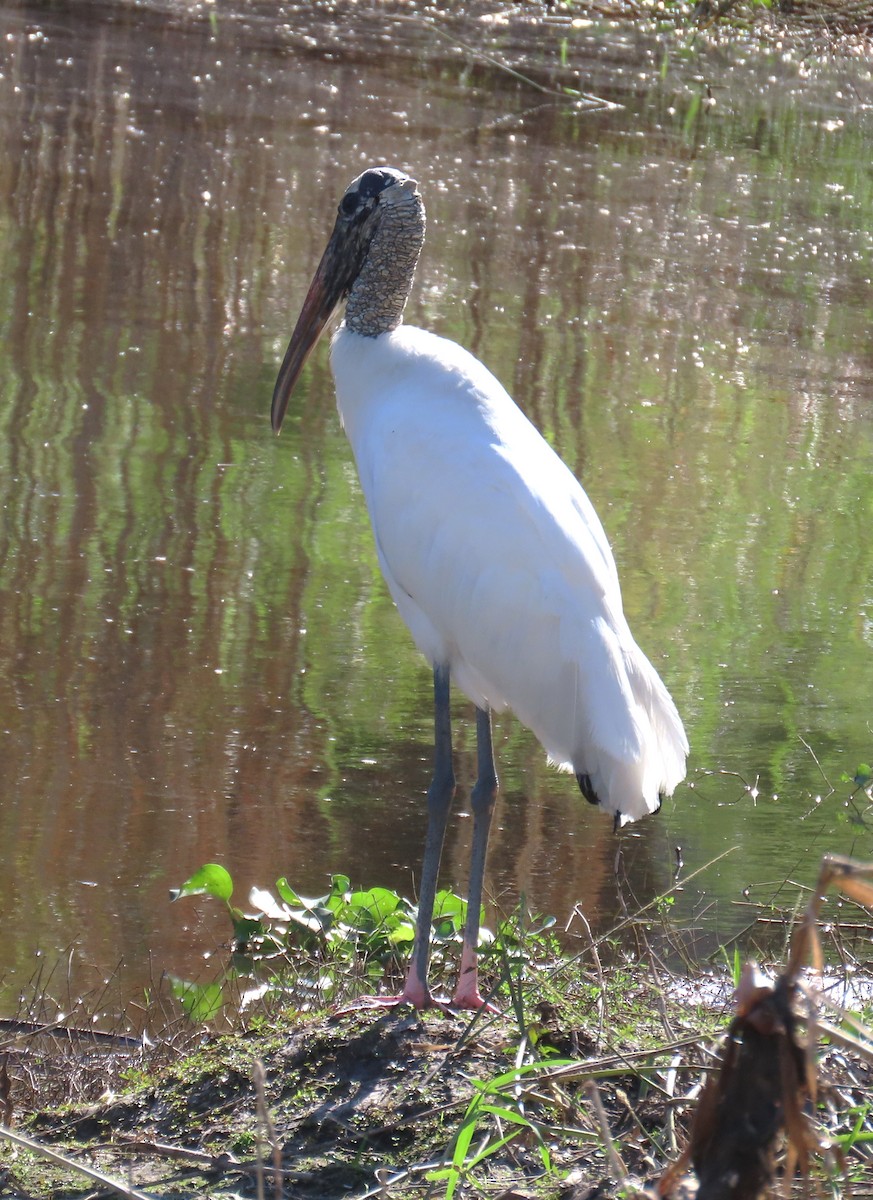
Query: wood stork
{"points": [[492, 551]]}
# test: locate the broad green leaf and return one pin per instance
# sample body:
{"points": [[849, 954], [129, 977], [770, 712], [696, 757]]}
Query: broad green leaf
{"points": [[287, 893], [447, 904], [379, 903], [211, 880], [337, 898], [201, 1002], [403, 933], [315, 919]]}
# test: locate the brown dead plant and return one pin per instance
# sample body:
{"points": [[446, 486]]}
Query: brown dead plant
{"points": [[763, 1093]]}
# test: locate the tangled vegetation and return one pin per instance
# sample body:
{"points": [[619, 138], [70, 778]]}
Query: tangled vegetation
{"points": [[589, 1079]]}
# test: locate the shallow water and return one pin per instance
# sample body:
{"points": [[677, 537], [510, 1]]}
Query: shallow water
{"points": [[198, 659]]}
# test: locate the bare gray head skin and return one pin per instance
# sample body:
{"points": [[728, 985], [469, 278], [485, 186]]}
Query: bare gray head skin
{"points": [[369, 262], [389, 208]]}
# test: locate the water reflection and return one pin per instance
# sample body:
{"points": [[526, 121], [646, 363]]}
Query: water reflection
{"points": [[198, 660]]}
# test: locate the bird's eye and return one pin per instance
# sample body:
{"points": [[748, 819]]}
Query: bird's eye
{"points": [[349, 203]]}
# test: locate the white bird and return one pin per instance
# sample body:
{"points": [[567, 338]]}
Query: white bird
{"points": [[491, 549]]}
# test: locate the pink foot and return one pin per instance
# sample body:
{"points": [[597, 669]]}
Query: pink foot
{"points": [[469, 997], [370, 1002], [461, 999], [467, 992], [415, 993]]}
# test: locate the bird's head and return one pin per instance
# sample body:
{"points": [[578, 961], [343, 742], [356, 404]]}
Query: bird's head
{"points": [[366, 202]]}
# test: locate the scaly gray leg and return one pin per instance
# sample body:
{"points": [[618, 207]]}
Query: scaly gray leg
{"points": [[483, 801], [439, 799]]}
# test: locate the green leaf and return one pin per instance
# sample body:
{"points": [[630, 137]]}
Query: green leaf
{"points": [[246, 928], [492, 1148], [211, 880], [506, 1114], [450, 915], [287, 893], [376, 904], [315, 919], [465, 1135], [403, 933], [340, 884], [201, 1002], [447, 904]]}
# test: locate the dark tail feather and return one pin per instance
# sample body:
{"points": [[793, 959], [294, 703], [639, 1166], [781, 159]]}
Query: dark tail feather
{"points": [[586, 789]]}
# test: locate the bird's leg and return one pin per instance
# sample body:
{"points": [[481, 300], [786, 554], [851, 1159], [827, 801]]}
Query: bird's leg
{"points": [[483, 800], [439, 799]]}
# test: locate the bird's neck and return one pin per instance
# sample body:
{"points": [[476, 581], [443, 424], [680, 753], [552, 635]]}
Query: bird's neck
{"points": [[379, 294]]}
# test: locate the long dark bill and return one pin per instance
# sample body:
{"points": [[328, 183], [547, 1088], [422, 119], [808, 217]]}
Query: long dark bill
{"points": [[330, 285]]}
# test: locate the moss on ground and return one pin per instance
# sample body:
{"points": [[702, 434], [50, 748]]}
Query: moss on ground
{"points": [[346, 1103], [346, 1098]]}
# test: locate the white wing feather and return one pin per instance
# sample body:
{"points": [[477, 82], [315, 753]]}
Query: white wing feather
{"points": [[498, 562]]}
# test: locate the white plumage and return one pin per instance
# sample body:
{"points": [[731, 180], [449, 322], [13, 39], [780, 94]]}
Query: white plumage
{"points": [[498, 562], [492, 551]]}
